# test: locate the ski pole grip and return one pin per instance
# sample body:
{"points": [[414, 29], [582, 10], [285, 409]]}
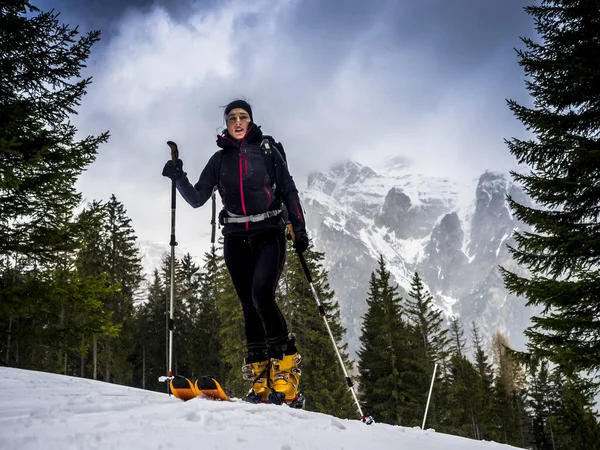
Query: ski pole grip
{"points": [[304, 267], [291, 234], [174, 151]]}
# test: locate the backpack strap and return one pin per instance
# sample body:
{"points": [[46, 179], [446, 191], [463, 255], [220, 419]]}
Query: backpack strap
{"points": [[269, 156]]}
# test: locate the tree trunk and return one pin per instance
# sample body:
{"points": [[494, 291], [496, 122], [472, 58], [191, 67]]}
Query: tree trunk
{"points": [[82, 360], [10, 319], [61, 324], [95, 345], [107, 367]]}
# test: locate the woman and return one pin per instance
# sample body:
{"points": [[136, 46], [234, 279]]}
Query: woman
{"points": [[254, 244]]}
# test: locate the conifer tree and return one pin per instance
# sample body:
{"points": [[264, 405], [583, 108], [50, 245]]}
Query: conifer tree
{"points": [[484, 403], [40, 160], [514, 423], [52, 310], [461, 417], [562, 252], [572, 420], [207, 322], [541, 402], [385, 353], [198, 326], [428, 321], [178, 314], [431, 346], [149, 337], [123, 268]]}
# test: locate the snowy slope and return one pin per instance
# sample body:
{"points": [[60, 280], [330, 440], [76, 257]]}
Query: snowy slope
{"points": [[47, 411]]}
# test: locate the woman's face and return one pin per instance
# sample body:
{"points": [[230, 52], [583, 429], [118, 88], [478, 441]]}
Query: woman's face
{"points": [[237, 123]]}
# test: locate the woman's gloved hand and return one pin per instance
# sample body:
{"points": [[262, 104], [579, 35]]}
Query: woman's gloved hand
{"points": [[173, 171], [301, 241]]}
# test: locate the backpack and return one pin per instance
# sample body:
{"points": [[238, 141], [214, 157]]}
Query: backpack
{"points": [[266, 145]]}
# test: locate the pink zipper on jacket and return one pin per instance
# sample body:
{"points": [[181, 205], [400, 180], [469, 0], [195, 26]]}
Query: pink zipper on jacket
{"points": [[241, 170]]}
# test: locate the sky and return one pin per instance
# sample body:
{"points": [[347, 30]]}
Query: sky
{"points": [[339, 80], [42, 411]]}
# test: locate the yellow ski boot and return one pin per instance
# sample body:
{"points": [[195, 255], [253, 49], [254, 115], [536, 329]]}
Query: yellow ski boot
{"points": [[285, 378], [258, 373]]}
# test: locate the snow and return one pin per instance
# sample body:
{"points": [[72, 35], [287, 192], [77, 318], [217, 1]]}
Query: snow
{"points": [[48, 411], [447, 304]]}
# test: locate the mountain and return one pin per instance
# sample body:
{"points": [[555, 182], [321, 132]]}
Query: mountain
{"points": [[48, 411], [454, 234]]}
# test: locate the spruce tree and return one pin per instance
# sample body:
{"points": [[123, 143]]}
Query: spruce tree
{"points": [[461, 417], [40, 160], [206, 345], [572, 420], [428, 321], [540, 401], [484, 401], [123, 268], [149, 337], [431, 347], [51, 310], [385, 354], [562, 252]]}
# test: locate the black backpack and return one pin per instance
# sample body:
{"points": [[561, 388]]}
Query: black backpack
{"points": [[267, 145]]}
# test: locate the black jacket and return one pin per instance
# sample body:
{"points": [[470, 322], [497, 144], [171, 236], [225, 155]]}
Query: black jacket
{"points": [[240, 173]]}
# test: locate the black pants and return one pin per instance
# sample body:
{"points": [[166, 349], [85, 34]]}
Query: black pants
{"points": [[255, 263]]}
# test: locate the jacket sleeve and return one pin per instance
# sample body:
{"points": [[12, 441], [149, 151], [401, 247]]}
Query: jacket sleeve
{"points": [[289, 193], [198, 194]]}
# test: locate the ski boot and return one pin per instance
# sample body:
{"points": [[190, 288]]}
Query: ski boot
{"points": [[258, 373], [285, 380]]}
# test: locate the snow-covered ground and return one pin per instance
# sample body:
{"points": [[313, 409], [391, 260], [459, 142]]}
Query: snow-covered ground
{"points": [[47, 411]]}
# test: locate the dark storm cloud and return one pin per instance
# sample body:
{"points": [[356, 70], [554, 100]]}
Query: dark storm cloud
{"points": [[104, 14], [459, 33]]}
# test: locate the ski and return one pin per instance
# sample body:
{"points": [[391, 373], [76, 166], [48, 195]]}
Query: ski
{"points": [[207, 387], [210, 388]]}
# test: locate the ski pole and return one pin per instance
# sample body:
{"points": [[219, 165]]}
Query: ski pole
{"points": [[350, 384], [172, 243], [213, 220], [429, 396]]}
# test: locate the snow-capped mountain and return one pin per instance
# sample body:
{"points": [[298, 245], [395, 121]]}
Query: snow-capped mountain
{"points": [[454, 234]]}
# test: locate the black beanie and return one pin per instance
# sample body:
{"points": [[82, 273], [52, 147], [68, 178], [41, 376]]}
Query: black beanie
{"points": [[239, 104]]}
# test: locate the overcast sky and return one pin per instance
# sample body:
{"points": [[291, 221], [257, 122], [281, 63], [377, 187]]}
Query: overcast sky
{"points": [[331, 79]]}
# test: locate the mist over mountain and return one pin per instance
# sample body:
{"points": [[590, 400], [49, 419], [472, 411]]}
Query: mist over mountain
{"points": [[454, 234]]}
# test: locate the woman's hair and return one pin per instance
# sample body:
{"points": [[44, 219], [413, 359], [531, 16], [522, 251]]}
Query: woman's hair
{"points": [[237, 103]]}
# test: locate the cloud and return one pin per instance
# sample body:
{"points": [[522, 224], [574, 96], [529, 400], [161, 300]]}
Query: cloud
{"points": [[331, 80]]}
